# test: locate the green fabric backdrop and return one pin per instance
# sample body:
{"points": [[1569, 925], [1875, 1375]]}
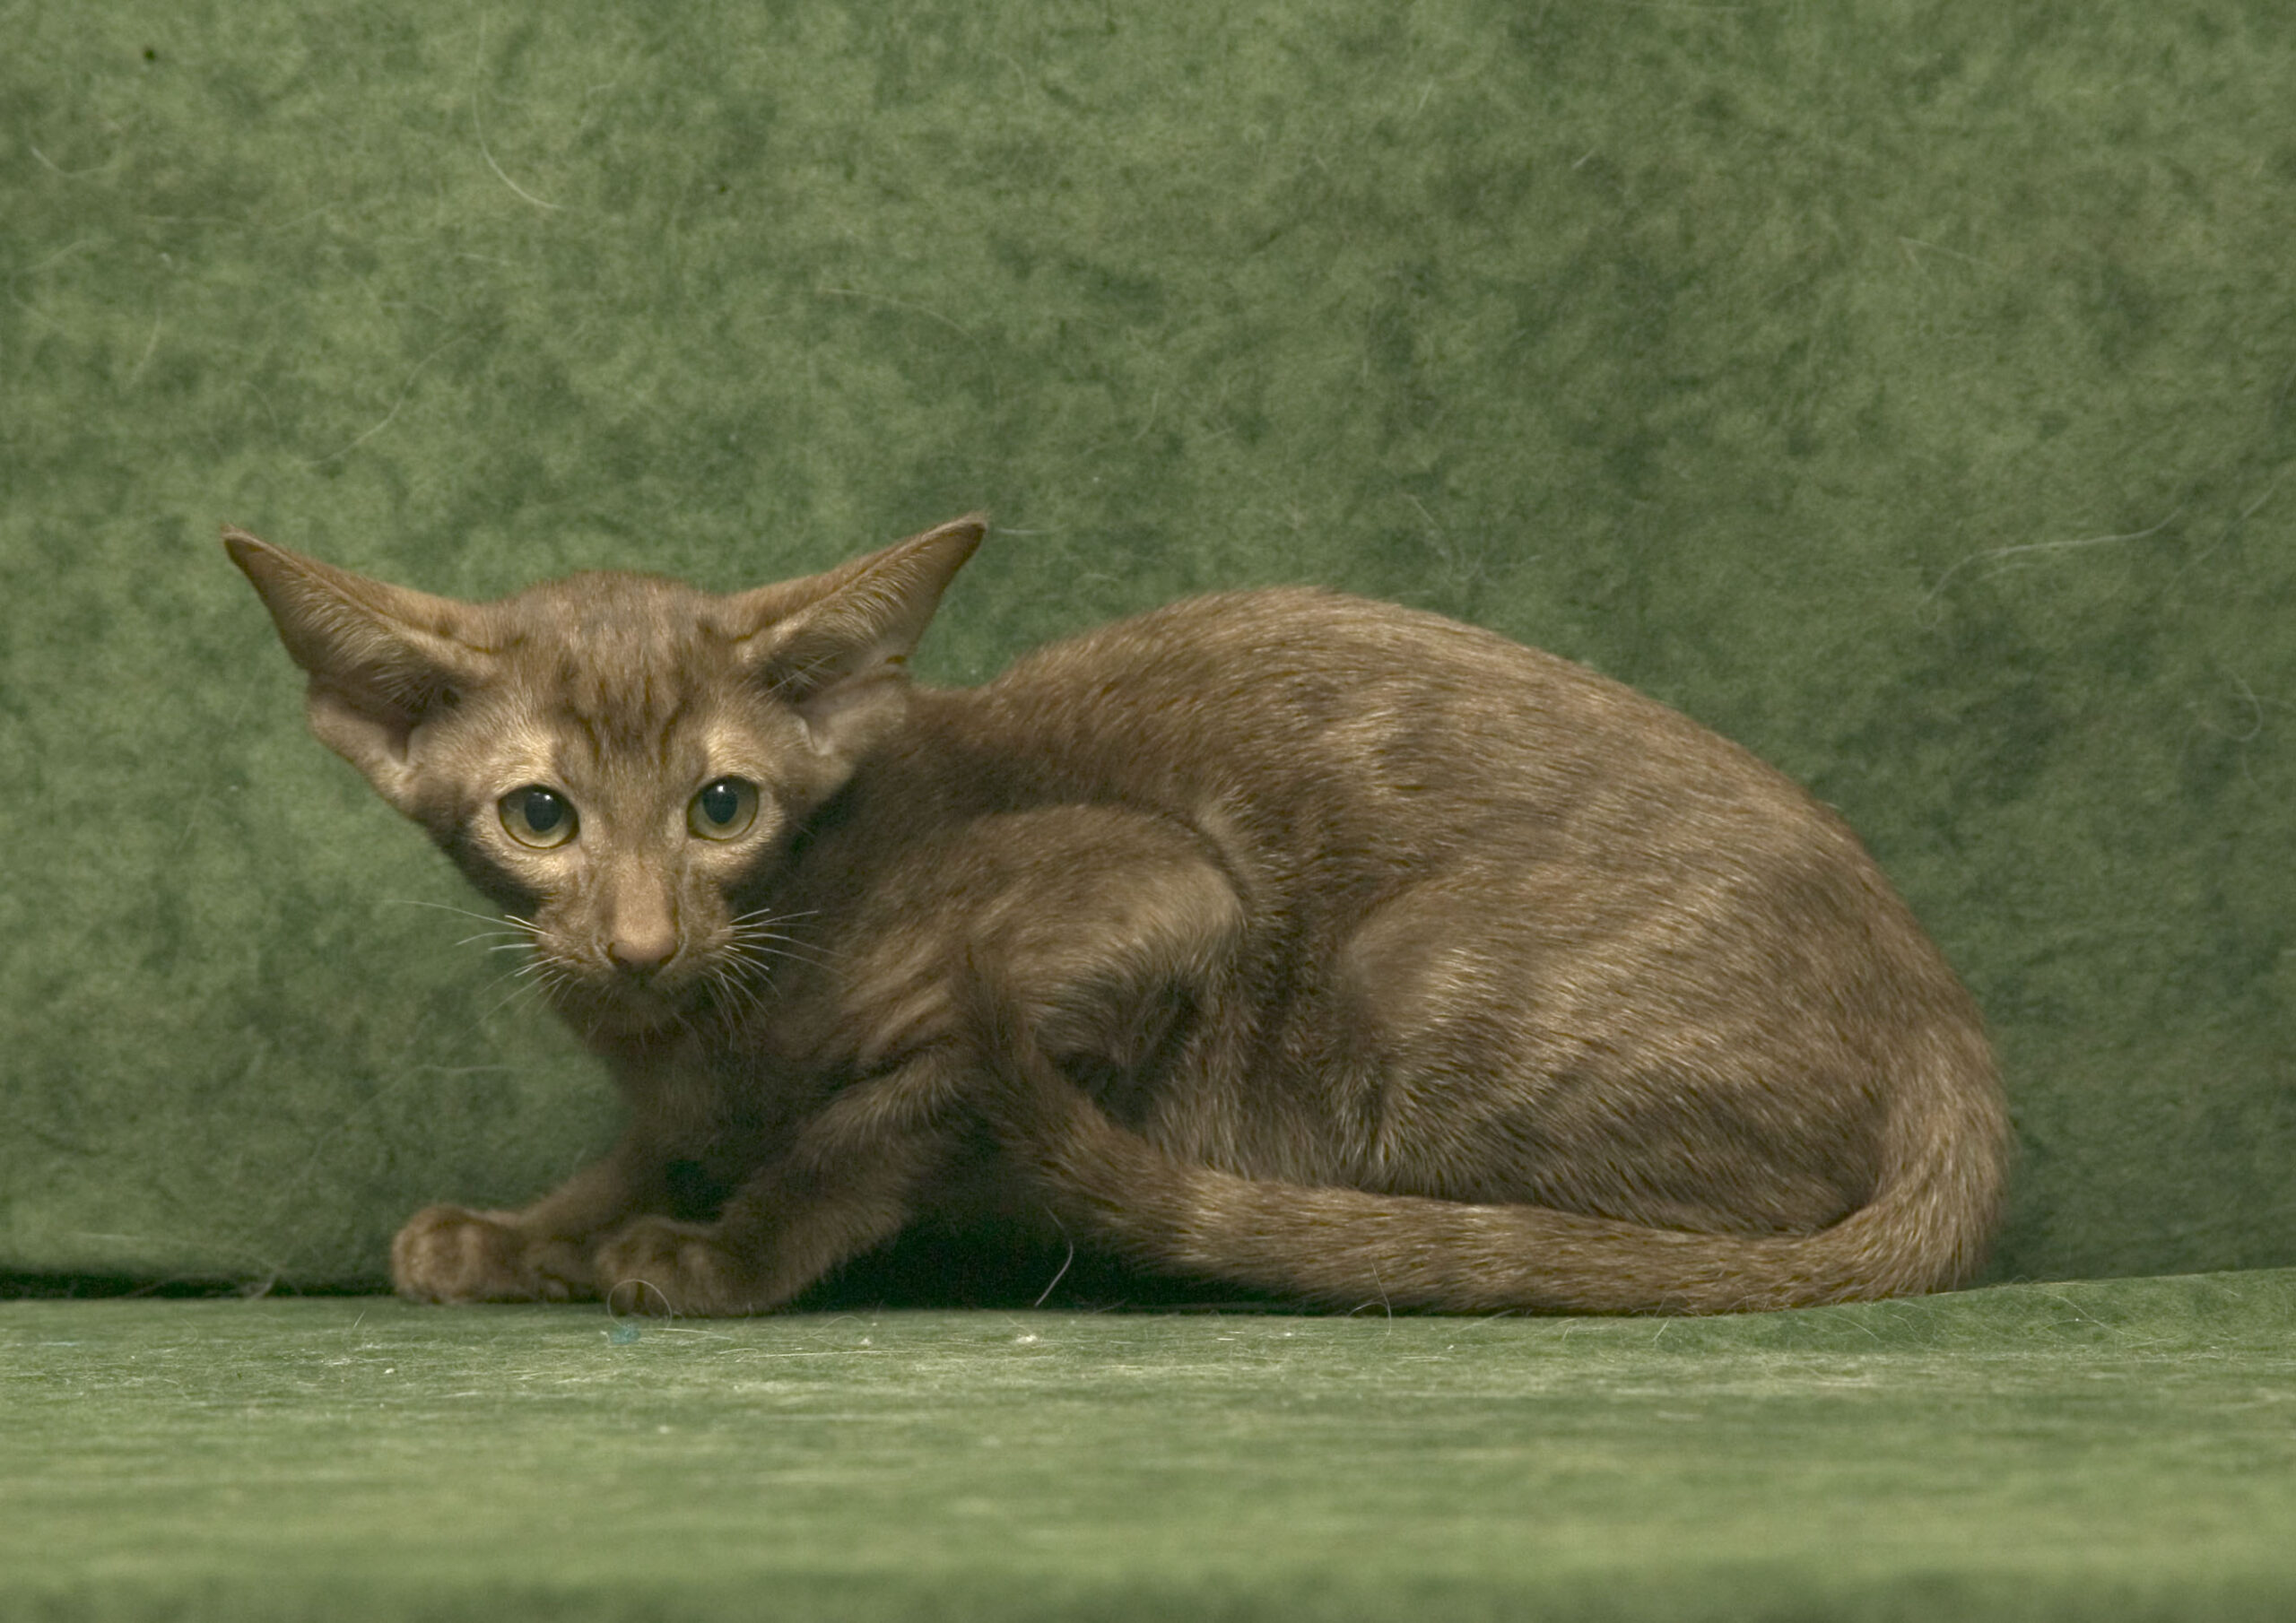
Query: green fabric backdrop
{"points": [[1904, 389]]}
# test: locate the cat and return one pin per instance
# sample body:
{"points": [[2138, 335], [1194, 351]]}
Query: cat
{"points": [[1317, 946]]}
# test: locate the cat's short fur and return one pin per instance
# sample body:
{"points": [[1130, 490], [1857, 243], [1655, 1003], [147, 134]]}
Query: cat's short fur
{"points": [[1310, 944]]}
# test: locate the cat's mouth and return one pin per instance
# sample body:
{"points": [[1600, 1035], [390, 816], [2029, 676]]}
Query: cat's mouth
{"points": [[622, 1003]]}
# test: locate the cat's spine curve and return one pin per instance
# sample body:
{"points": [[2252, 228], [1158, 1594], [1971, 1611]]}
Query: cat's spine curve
{"points": [[1924, 1228]]}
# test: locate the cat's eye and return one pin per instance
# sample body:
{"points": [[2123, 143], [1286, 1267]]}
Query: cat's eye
{"points": [[538, 816], [724, 809]]}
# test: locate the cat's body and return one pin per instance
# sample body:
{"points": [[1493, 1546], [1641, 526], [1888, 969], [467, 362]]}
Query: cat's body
{"points": [[1307, 944]]}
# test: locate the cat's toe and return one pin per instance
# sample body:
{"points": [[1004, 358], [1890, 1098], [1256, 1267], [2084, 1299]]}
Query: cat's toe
{"points": [[451, 1254], [657, 1265]]}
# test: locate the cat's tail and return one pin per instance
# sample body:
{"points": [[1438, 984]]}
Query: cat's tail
{"points": [[1944, 1164]]}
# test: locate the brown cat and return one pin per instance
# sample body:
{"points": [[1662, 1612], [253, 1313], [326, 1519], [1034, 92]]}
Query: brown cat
{"points": [[1310, 944]]}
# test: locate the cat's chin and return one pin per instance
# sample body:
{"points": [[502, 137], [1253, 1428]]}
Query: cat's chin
{"points": [[622, 1012]]}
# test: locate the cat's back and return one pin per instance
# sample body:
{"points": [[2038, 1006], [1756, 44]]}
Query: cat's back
{"points": [[1291, 662], [1366, 718]]}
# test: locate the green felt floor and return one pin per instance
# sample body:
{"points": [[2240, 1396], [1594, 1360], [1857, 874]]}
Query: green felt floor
{"points": [[2099, 1450]]}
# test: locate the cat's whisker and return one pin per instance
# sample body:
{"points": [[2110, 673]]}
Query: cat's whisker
{"points": [[534, 969], [728, 987], [758, 952], [537, 977], [543, 980], [764, 921], [752, 933], [747, 962], [735, 998], [526, 924], [516, 994], [752, 938], [760, 930], [730, 976]]}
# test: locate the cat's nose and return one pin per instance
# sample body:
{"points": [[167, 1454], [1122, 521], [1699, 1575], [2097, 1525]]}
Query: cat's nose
{"points": [[641, 922], [641, 927], [641, 950]]}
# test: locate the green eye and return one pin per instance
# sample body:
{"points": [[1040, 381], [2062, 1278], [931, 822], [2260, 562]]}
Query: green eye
{"points": [[724, 809], [538, 816]]}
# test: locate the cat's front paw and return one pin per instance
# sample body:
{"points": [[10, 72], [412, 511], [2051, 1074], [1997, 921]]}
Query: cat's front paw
{"points": [[659, 1265], [451, 1254]]}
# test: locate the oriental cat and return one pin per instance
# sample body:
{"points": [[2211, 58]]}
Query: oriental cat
{"points": [[1316, 946]]}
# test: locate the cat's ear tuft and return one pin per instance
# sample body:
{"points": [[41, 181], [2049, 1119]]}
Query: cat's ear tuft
{"points": [[833, 644], [381, 659]]}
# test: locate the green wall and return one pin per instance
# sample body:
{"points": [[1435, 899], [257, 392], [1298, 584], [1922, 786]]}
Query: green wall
{"points": [[1906, 390]]}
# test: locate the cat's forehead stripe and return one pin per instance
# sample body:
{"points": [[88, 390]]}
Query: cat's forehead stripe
{"points": [[620, 660], [629, 709]]}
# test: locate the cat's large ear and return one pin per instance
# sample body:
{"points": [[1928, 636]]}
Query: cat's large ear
{"points": [[381, 658], [836, 645]]}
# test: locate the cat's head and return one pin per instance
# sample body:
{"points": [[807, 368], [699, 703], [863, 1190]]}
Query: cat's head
{"points": [[613, 759]]}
